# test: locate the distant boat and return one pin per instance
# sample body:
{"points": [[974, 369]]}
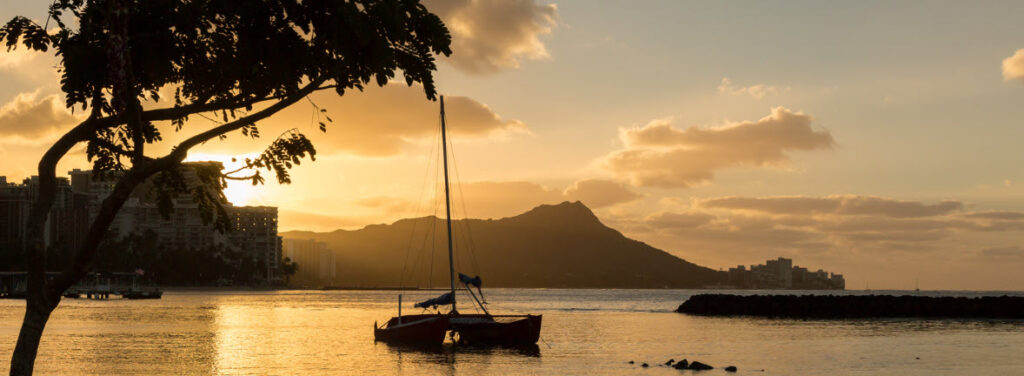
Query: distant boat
{"points": [[474, 329]]}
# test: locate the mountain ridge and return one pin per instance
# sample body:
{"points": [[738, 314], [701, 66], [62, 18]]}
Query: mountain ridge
{"points": [[561, 245]]}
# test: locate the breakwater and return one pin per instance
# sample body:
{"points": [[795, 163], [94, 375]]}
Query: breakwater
{"points": [[849, 307]]}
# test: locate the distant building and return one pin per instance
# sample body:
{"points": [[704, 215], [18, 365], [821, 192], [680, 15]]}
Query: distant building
{"points": [[15, 203], [317, 263], [79, 199], [255, 234], [782, 274], [14, 207]]}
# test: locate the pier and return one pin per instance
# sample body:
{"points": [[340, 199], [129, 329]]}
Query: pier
{"points": [[99, 285]]}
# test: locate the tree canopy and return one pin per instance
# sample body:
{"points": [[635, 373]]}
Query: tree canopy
{"points": [[239, 61]]}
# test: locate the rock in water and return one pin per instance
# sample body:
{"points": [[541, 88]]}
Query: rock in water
{"points": [[730, 369], [698, 366], [682, 364]]}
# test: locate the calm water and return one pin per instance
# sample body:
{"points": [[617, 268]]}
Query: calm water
{"points": [[590, 332]]}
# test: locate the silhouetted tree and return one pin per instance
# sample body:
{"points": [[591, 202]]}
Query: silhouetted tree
{"points": [[288, 269], [241, 60]]}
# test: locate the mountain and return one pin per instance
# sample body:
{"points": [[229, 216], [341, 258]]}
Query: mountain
{"points": [[562, 245]]}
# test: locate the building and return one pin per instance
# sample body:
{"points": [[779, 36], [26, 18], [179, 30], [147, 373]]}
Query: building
{"points": [[14, 207], [782, 274], [59, 231], [77, 203], [317, 263], [255, 235]]}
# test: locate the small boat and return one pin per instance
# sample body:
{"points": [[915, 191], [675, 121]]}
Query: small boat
{"points": [[413, 329], [470, 329]]}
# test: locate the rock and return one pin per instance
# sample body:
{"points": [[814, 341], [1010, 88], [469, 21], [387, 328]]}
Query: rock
{"points": [[644, 365], [669, 362], [631, 362], [730, 369], [682, 364], [698, 366]]}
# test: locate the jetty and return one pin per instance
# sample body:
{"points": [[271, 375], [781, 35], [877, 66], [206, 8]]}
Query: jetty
{"points": [[854, 306], [98, 285]]}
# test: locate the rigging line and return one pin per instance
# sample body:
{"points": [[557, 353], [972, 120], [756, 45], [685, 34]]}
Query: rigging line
{"points": [[416, 211], [433, 232], [465, 212]]}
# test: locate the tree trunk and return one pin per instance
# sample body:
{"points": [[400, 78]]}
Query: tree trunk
{"points": [[40, 300], [37, 313]]}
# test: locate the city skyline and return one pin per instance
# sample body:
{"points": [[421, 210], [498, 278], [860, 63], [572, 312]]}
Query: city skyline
{"points": [[885, 137]]}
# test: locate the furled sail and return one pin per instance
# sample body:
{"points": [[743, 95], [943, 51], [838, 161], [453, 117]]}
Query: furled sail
{"points": [[445, 299], [475, 281]]}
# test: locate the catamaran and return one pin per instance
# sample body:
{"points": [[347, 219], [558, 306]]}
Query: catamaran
{"points": [[473, 329]]}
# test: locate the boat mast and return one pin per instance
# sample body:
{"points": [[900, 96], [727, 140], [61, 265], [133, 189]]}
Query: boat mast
{"points": [[447, 206]]}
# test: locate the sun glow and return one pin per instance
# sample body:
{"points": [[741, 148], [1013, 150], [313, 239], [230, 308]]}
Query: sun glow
{"points": [[238, 192]]}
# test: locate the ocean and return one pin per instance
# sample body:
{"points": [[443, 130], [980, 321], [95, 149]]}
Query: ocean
{"points": [[586, 332]]}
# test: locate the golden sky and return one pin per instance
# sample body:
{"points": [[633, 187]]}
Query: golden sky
{"points": [[876, 140]]}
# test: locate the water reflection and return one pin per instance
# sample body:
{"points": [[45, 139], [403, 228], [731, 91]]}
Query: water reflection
{"points": [[449, 348], [446, 356], [329, 333]]}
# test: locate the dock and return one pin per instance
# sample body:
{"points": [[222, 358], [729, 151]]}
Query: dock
{"points": [[98, 285]]}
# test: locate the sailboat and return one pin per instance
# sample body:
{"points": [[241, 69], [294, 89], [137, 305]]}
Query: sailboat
{"points": [[471, 329]]}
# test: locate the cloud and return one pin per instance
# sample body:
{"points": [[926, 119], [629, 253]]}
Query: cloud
{"points": [[497, 199], [839, 204], [996, 214], [30, 117], [598, 193], [1010, 252], [1013, 67], [491, 35], [378, 122], [660, 155], [666, 220], [757, 91], [383, 120], [841, 228]]}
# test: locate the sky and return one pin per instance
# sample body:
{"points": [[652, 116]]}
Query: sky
{"points": [[878, 140]]}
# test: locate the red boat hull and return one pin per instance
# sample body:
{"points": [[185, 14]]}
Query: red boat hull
{"points": [[500, 329], [413, 329]]}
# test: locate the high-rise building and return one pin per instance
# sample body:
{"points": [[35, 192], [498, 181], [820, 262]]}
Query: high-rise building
{"points": [[782, 274], [317, 263], [14, 207], [255, 234]]}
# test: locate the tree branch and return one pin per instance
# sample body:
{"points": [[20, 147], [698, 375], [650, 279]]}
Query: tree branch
{"points": [[139, 173]]}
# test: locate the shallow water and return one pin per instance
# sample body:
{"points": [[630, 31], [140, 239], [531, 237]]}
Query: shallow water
{"points": [[591, 332]]}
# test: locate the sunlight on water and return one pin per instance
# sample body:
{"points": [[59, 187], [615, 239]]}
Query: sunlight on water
{"points": [[586, 332]]}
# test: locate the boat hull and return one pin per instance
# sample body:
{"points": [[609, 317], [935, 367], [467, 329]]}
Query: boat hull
{"points": [[497, 330], [413, 329]]}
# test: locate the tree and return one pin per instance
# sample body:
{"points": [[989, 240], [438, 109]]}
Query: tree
{"points": [[288, 269], [241, 61]]}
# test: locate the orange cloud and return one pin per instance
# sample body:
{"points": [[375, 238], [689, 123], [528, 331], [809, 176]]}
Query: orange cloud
{"points": [[28, 117], [1013, 67], [599, 193], [490, 35], [757, 91], [841, 204], [661, 155], [377, 122]]}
